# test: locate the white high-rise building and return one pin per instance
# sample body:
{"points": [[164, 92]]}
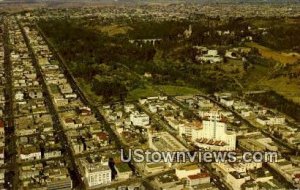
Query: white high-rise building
{"points": [[215, 129]]}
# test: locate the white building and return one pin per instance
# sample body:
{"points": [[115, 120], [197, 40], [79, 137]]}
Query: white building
{"points": [[276, 120], [204, 103], [139, 119], [236, 179], [65, 89], [230, 54], [271, 120], [52, 154], [128, 108], [70, 96], [185, 171], [232, 175], [245, 113], [30, 153], [212, 52], [96, 173], [227, 102], [153, 108], [19, 96], [35, 95], [222, 95], [210, 59], [163, 141], [215, 129]]}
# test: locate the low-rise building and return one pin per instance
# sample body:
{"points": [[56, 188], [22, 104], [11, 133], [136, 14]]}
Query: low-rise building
{"points": [[185, 171], [197, 179], [95, 173], [139, 119]]}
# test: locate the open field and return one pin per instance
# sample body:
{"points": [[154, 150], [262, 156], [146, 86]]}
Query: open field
{"points": [[261, 77], [258, 79], [234, 68], [177, 90], [113, 30], [168, 89], [142, 92], [284, 58], [288, 88]]}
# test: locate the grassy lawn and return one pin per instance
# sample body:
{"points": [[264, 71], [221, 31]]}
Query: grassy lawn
{"points": [[178, 90], [123, 167], [168, 89], [289, 88], [233, 65], [281, 57], [258, 78], [255, 75], [141, 93], [112, 30]]}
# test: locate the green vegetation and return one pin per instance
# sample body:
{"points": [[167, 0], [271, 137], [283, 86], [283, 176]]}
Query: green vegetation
{"points": [[265, 74], [142, 92], [268, 53], [123, 167], [113, 29], [275, 101], [178, 90], [92, 57], [149, 90], [282, 36], [54, 89], [167, 30], [107, 65], [87, 89], [278, 34]]}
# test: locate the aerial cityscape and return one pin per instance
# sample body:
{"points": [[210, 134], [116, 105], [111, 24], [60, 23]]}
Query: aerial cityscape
{"points": [[149, 95]]}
